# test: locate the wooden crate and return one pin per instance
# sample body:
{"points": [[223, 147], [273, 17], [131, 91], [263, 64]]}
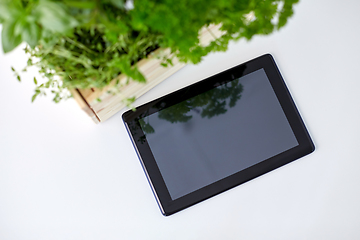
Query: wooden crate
{"points": [[154, 73]]}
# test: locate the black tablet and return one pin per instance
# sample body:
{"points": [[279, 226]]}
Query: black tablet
{"points": [[217, 133]]}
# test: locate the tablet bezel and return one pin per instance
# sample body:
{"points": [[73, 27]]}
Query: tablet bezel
{"points": [[138, 137]]}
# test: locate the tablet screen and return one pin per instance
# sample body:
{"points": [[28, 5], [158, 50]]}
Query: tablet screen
{"points": [[215, 134]]}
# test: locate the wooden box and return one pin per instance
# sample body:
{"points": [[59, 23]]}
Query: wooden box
{"points": [[100, 105]]}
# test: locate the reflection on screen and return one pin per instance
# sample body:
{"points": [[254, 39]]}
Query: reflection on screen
{"points": [[218, 133]]}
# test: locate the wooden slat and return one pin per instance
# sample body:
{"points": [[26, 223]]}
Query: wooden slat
{"points": [[84, 105]]}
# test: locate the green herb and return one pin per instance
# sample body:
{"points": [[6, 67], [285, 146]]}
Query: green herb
{"points": [[87, 43]]}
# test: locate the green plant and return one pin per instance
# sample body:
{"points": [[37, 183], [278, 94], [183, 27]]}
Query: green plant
{"points": [[87, 43]]}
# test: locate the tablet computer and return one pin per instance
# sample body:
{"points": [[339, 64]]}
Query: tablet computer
{"points": [[217, 133]]}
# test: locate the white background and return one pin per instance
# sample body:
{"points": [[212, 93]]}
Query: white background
{"points": [[63, 177]]}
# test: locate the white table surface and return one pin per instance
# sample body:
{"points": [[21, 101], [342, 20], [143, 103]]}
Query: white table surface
{"points": [[63, 177]]}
